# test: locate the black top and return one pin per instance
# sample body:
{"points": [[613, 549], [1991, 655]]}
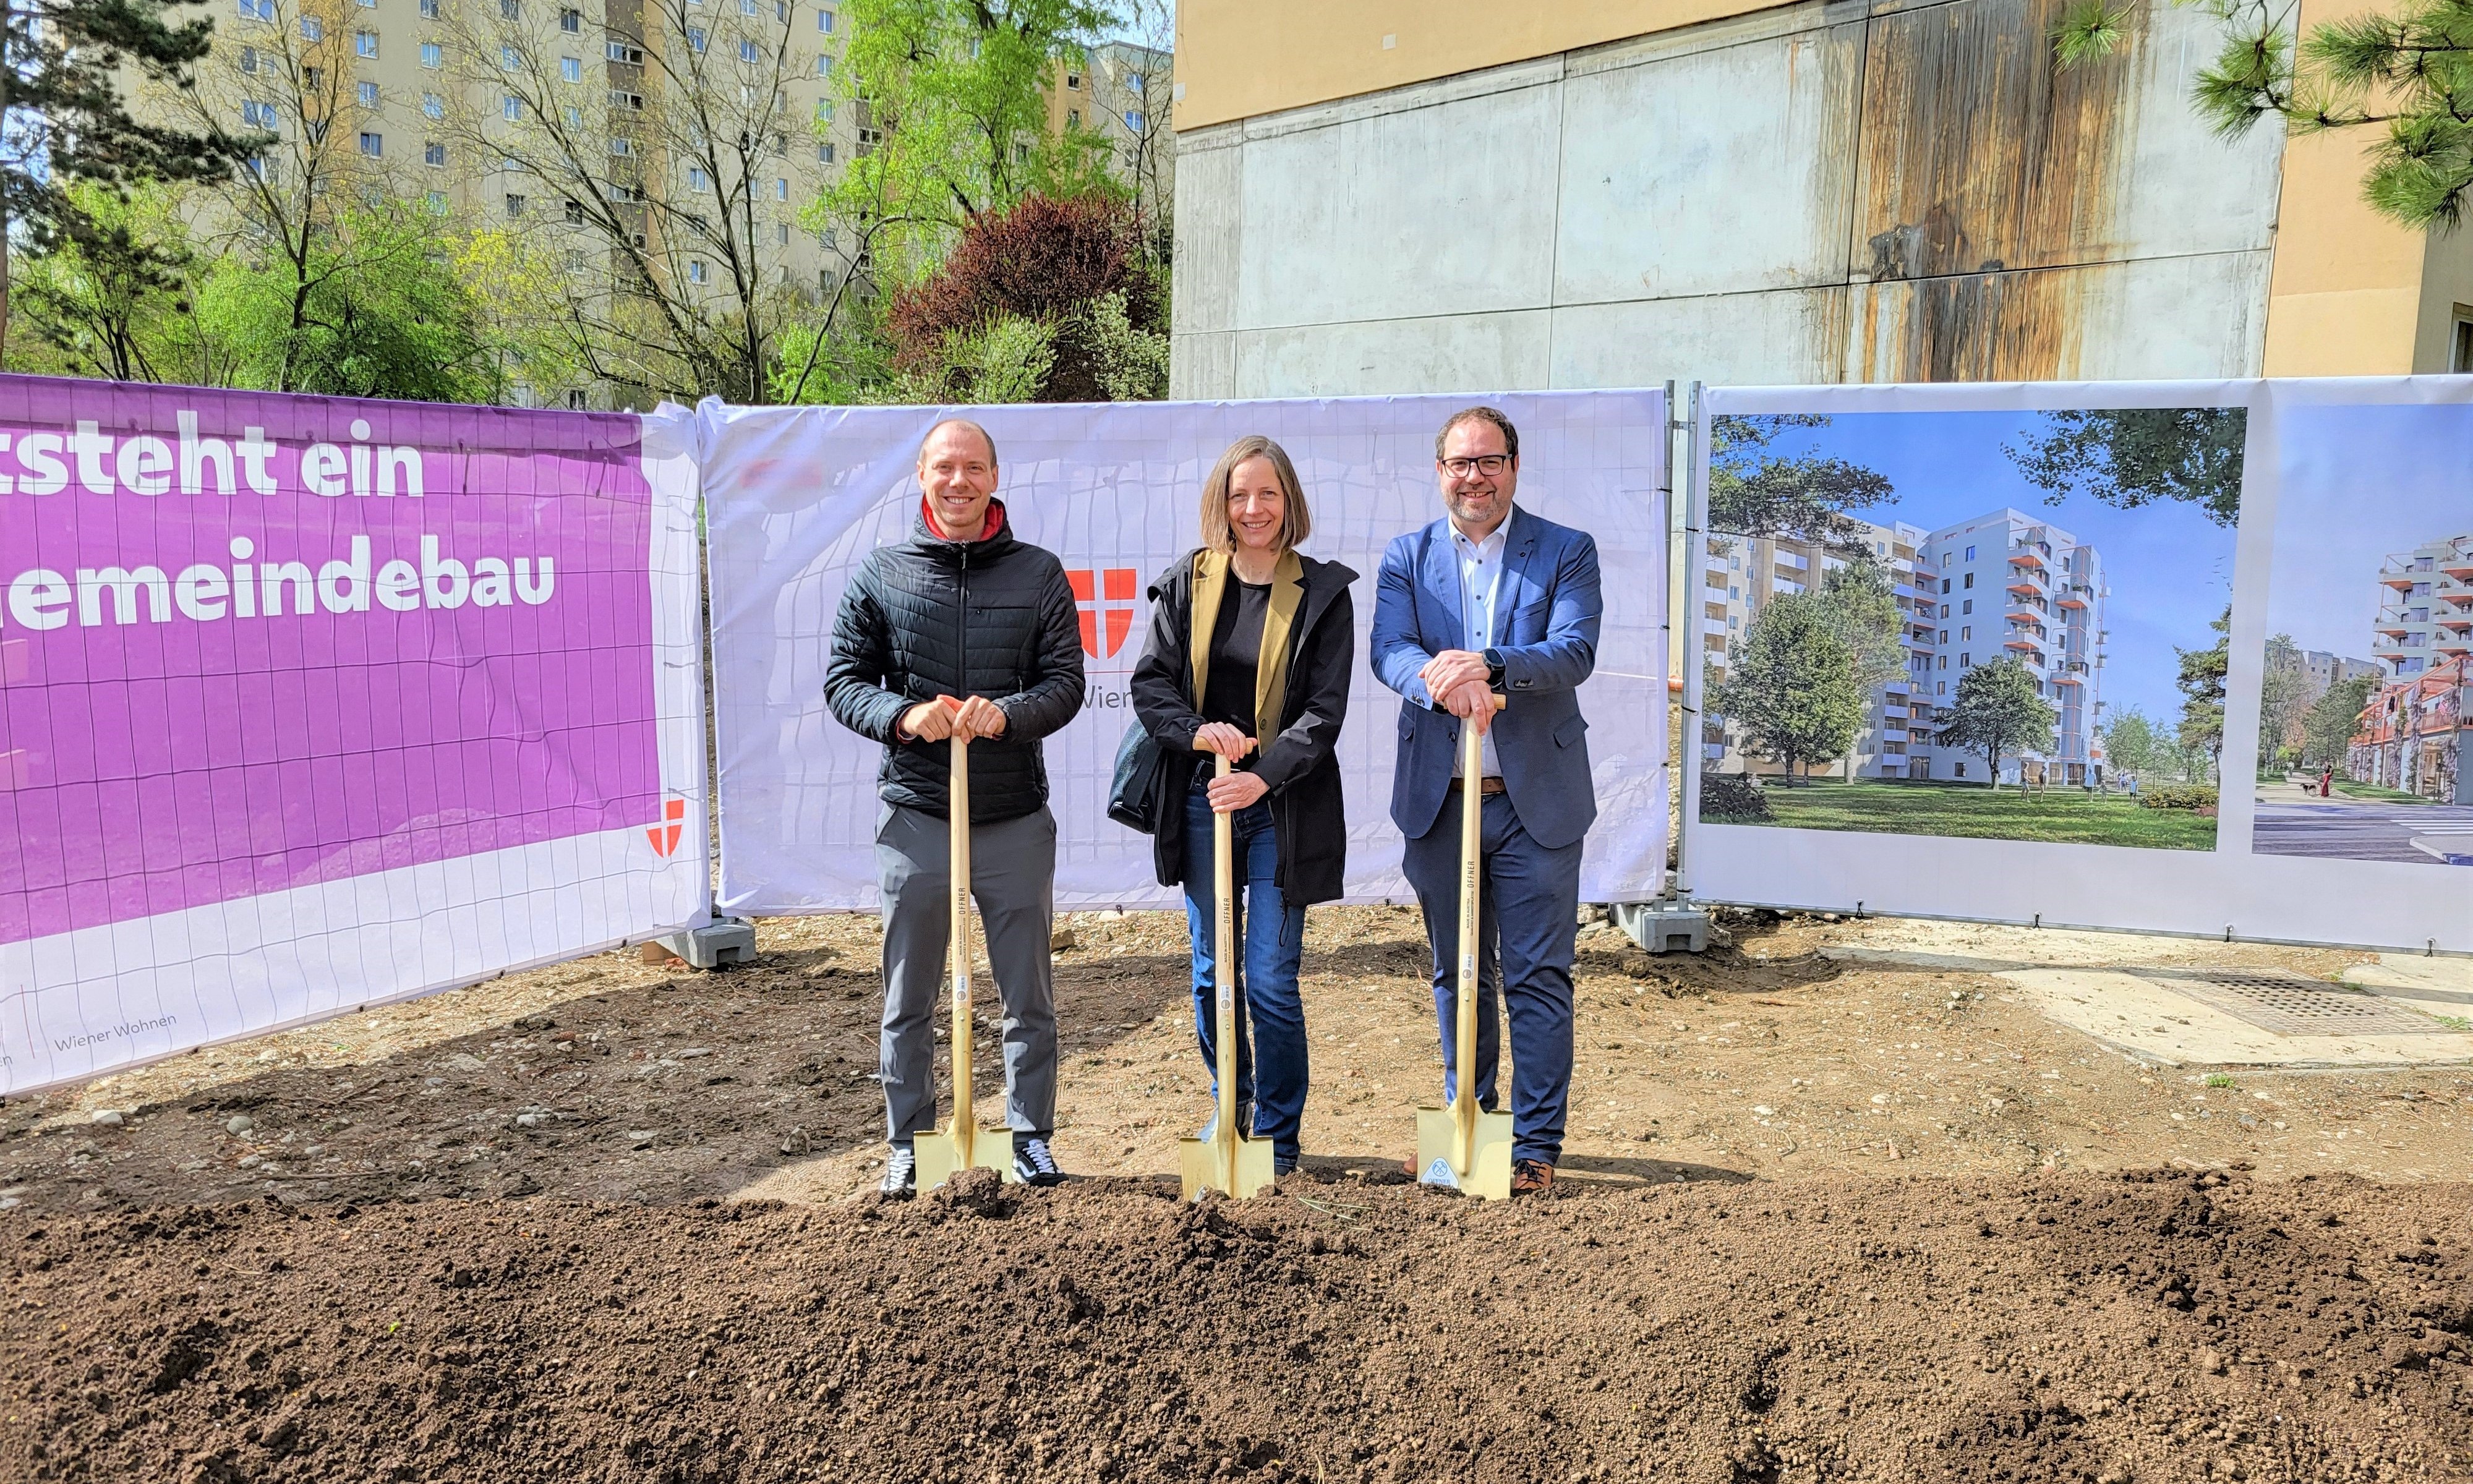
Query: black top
{"points": [[932, 617], [1236, 653]]}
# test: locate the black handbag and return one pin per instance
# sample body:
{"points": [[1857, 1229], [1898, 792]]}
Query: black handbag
{"points": [[1132, 795]]}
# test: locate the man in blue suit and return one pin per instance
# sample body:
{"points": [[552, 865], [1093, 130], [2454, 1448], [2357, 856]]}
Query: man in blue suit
{"points": [[1493, 599]]}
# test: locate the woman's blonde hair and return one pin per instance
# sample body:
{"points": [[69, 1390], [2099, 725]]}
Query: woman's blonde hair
{"points": [[1295, 525]]}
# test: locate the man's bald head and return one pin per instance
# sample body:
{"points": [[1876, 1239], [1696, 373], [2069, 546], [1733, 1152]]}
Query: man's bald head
{"points": [[957, 427]]}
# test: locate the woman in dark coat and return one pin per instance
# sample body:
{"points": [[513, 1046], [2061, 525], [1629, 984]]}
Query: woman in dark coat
{"points": [[1250, 654]]}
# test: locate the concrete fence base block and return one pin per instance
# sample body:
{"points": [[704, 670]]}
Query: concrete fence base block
{"points": [[715, 946], [1664, 926]]}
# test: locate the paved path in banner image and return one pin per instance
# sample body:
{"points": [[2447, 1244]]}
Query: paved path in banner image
{"points": [[2361, 831]]}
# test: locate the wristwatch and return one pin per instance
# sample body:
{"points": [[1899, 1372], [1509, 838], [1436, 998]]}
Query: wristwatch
{"points": [[1493, 669]]}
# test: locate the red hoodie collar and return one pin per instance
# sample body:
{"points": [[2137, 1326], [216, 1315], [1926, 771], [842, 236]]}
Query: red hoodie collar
{"points": [[994, 523]]}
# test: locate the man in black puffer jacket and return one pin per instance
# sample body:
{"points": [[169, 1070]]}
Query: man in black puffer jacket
{"points": [[962, 630]]}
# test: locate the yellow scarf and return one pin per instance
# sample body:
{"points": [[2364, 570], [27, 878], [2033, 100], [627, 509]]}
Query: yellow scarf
{"points": [[1211, 570]]}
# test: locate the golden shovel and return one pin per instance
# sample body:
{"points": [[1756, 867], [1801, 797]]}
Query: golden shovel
{"points": [[961, 1144], [1461, 1146], [1226, 1161]]}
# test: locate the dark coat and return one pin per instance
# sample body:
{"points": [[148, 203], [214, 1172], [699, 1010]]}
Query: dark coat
{"points": [[1309, 819], [932, 617]]}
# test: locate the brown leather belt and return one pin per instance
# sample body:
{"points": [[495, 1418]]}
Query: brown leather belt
{"points": [[1486, 785]]}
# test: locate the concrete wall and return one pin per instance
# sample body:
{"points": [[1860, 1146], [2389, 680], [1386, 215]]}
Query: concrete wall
{"points": [[1817, 193]]}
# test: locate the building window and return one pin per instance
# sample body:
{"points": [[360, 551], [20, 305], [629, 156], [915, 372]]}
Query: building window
{"points": [[824, 22], [2459, 351], [1965, 631], [1970, 581], [312, 29], [432, 105], [1074, 81], [695, 270], [365, 43], [624, 54], [695, 38], [1970, 554], [514, 204], [1073, 118], [570, 69], [697, 180], [572, 116], [780, 189], [512, 108], [264, 10], [1944, 637], [433, 154], [1967, 606], [368, 93], [1964, 659], [373, 145], [1943, 690], [824, 111], [824, 65], [575, 218], [621, 146], [784, 229], [781, 146], [431, 56], [249, 61], [1944, 585], [254, 114], [824, 154], [1133, 120], [510, 59], [571, 22], [1134, 81], [748, 50], [575, 400]]}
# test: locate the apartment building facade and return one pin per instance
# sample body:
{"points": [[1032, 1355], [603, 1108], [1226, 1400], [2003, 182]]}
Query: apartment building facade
{"points": [[2425, 607], [2004, 585]]}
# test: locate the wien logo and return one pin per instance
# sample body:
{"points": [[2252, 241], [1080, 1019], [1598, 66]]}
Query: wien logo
{"points": [[665, 836], [1112, 597]]}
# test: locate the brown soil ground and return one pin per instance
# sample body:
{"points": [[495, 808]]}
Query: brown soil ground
{"points": [[1824, 1221]]}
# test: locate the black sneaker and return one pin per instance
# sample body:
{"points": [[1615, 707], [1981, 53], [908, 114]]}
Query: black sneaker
{"points": [[1032, 1164], [901, 1174]]}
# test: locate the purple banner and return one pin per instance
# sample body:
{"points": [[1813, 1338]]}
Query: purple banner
{"points": [[251, 642]]}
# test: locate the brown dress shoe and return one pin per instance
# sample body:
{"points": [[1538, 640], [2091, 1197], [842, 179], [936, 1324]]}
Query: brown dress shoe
{"points": [[1532, 1177]]}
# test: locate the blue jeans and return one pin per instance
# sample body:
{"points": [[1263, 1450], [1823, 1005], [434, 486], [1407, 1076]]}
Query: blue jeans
{"points": [[1270, 1061], [1529, 900]]}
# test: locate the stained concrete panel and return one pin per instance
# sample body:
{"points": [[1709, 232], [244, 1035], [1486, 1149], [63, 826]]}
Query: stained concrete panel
{"points": [[1788, 337], [1672, 188], [1436, 211], [1210, 227], [1477, 352]]}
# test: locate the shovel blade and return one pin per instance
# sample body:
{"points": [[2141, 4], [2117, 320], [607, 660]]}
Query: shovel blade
{"points": [[940, 1155], [1489, 1174], [1202, 1164]]}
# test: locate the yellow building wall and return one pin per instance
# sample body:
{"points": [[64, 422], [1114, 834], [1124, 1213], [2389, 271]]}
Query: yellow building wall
{"points": [[1235, 59]]}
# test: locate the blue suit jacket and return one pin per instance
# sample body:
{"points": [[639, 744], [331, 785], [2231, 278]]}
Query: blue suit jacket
{"points": [[1548, 643]]}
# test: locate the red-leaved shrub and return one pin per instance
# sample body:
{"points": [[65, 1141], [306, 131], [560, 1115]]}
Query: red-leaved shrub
{"points": [[1042, 260]]}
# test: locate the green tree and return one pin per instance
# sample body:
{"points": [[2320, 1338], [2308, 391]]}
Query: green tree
{"points": [[2406, 73], [2327, 727], [2284, 694], [1754, 492], [1861, 598], [1790, 687], [2202, 682], [111, 292], [2134, 456], [1998, 710], [2133, 743], [952, 106], [63, 119], [377, 309]]}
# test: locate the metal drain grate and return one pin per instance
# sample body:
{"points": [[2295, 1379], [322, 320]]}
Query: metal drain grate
{"points": [[2295, 1004]]}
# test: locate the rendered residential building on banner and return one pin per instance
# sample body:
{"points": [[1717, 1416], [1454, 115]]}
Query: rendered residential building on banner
{"points": [[2090, 654]]}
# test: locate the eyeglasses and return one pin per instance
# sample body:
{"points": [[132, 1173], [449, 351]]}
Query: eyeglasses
{"points": [[1488, 464]]}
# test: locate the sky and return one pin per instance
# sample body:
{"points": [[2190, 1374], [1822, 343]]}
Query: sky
{"points": [[2361, 483], [2170, 567]]}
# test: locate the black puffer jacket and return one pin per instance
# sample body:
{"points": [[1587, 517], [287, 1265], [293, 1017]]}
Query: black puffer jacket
{"points": [[932, 617], [1309, 817]]}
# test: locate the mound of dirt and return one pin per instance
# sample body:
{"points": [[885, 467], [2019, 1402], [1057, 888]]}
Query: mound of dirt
{"points": [[2073, 1327]]}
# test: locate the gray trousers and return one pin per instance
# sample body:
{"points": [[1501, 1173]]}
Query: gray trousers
{"points": [[1013, 881]]}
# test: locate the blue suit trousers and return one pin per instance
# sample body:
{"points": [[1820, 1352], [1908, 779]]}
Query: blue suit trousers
{"points": [[1528, 901]]}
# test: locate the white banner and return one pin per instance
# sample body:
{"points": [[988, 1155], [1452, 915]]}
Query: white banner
{"points": [[2251, 601], [796, 497]]}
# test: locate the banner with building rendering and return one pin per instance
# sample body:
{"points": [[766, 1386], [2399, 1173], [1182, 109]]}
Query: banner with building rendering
{"points": [[2180, 657], [797, 497], [309, 704]]}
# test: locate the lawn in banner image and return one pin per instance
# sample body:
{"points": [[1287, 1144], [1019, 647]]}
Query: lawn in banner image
{"points": [[2072, 816], [1902, 609], [2363, 700]]}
